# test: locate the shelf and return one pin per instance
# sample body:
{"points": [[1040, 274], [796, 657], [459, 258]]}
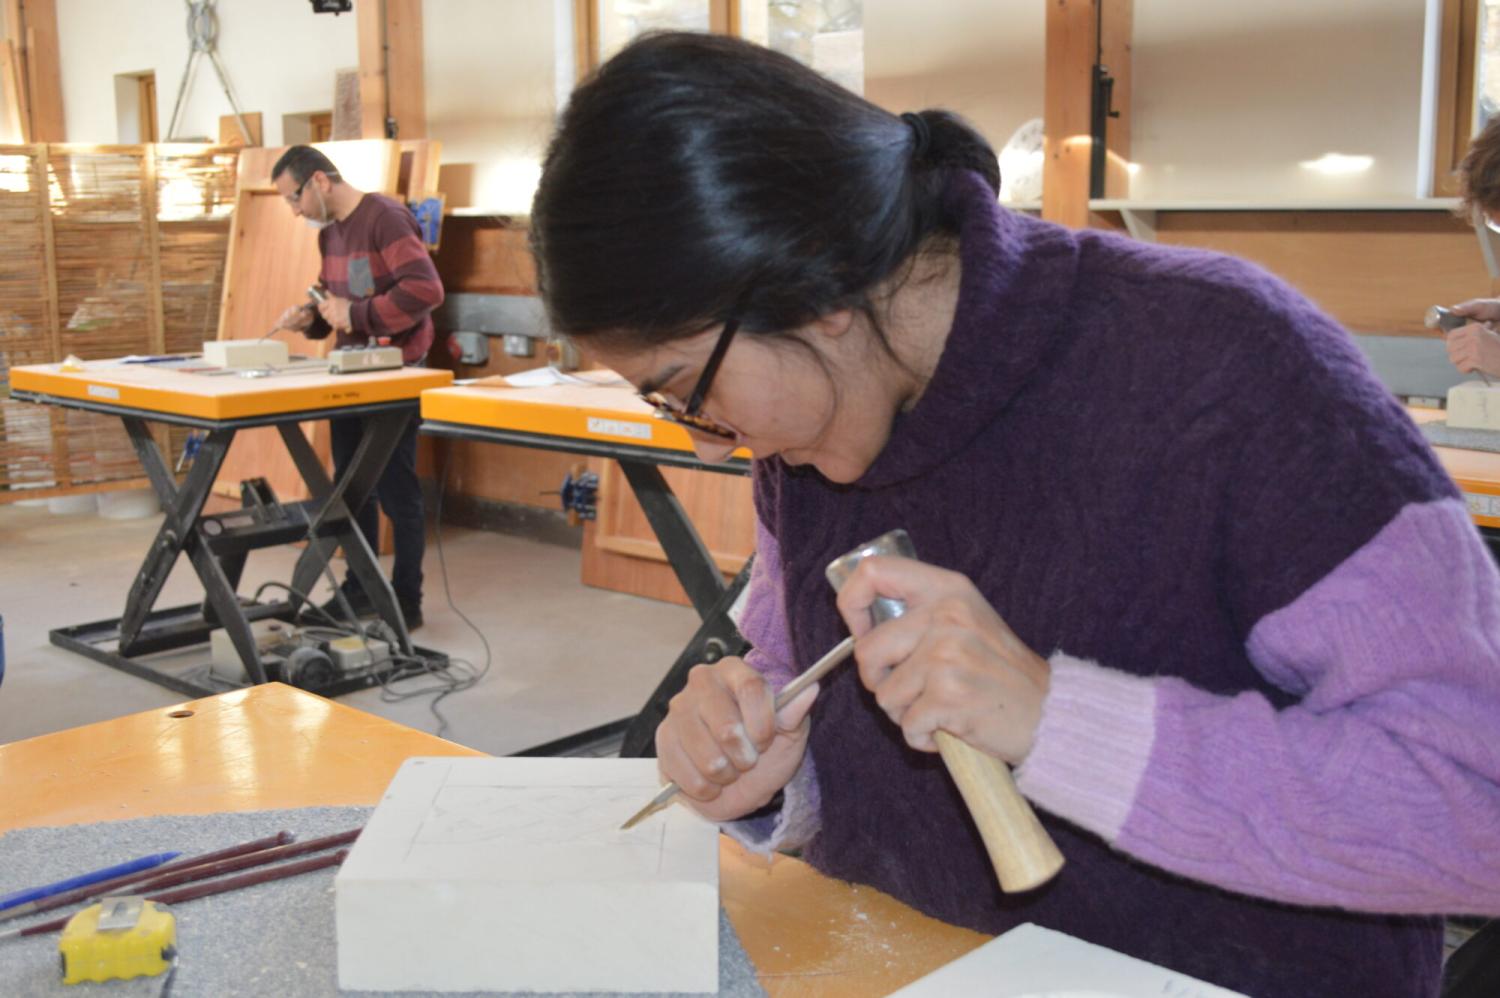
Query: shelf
{"points": [[1383, 204]]}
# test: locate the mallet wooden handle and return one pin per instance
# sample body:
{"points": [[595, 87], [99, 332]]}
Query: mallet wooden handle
{"points": [[1023, 854]]}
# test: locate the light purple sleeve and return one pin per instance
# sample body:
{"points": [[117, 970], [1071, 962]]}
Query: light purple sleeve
{"points": [[1378, 791], [763, 623]]}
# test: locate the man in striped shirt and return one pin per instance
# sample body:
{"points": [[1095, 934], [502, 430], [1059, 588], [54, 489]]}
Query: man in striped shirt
{"points": [[381, 288]]}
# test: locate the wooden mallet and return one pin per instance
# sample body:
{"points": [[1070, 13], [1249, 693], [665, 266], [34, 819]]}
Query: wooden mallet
{"points": [[1023, 854]]}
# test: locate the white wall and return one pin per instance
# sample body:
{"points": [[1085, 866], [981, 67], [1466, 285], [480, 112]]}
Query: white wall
{"points": [[491, 80], [280, 58], [1230, 98], [984, 59]]}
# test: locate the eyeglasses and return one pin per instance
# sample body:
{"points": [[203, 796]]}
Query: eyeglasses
{"points": [[687, 415], [296, 195]]}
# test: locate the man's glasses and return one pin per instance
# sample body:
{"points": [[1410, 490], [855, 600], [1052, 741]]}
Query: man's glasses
{"points": [[296, 195], [688, 415]]}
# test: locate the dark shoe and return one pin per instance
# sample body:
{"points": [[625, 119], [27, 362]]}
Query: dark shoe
{"points": [[358, 602], [411, 612]]}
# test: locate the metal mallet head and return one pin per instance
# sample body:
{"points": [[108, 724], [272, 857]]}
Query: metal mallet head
{"points": [[896, 542], [1444, 319]]}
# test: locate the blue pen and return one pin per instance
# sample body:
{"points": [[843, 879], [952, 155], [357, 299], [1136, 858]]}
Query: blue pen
{"points": [[84, 879]]}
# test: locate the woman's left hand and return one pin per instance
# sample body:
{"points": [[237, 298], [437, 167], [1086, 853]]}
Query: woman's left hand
{"points": [[949, 663]]}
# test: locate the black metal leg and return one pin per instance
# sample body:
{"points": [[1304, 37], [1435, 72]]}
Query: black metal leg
{"points": [[716, 638], [686, 552], [177, 532], [335, 525]]}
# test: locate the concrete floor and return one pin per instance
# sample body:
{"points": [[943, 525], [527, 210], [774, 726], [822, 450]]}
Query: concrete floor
{"points": [[565, 657]]}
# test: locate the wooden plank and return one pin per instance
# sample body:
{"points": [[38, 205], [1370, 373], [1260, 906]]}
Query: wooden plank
{"points": [[405, 88], [1066, 102], [61, 472], [44, 70], [420, 163], [620, 551], [82, 488], [373, 98], [1373, 271], [156, 319], [156, 323], [272, 259], [1118, 32], [230, 134], [488, 255], [15, 90]]}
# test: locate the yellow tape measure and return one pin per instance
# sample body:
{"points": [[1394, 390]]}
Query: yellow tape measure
{"points": [[118, 938]]}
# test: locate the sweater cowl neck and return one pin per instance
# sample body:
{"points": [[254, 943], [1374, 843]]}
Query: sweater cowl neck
{"points": [[1017, 275]]}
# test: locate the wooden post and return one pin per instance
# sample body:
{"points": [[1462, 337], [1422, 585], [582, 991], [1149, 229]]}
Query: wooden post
{"points": [[1455, 94], [390, 68], [585, 38], [369, 16], [1067, 92], [1119, 30], [405, 88], [1073, 44]]}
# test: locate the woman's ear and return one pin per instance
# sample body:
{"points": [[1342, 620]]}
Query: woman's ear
{"points": [[834, 323]]}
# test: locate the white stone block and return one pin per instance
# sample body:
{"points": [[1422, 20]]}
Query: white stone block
{"points": [[1474, 405], [245, 353], [512, 875]]}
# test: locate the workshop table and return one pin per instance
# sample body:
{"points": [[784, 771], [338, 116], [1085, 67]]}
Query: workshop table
{"points": [[1477, 475], [273, 746], [597, 414], [220, 404]]}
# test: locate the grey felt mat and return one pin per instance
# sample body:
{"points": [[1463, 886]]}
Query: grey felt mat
{"points": [[1440, 433], [274, 940]]}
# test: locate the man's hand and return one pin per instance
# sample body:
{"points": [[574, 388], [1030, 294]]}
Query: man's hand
{"points": [[335, 311], [298, 319]]}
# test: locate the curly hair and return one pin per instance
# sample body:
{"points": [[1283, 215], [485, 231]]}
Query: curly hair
{"points": [[1479, 173]]}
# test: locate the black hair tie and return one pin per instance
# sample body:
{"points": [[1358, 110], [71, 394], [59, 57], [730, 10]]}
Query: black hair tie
{"points": [[920, 131]]}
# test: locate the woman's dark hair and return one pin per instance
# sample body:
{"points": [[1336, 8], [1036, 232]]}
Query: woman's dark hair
{"points": [[697, 177]]}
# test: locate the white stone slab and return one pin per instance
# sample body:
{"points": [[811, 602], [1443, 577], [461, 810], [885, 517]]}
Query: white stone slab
{"points": [[512, 875], [1474, 405], [246, 353], [1032, 962]]}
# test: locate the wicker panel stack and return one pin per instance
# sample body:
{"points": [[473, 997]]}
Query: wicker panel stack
{"points": [[104, 251]]}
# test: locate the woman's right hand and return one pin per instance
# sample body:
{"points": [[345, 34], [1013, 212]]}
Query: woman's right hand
{"points": [[723, 743]]}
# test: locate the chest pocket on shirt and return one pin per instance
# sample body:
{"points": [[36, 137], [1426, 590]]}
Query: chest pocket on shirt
{"points": [[361, 281]]}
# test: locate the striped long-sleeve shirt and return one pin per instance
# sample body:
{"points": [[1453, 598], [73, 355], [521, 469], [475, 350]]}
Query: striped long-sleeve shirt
{"points": [[376, 259], [1272, 738]]}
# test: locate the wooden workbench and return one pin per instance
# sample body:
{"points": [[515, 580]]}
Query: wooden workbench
{"points": [[273, 746]]}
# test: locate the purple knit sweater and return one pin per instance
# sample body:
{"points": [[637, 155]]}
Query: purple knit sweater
{"points": [[1275, 705]]}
